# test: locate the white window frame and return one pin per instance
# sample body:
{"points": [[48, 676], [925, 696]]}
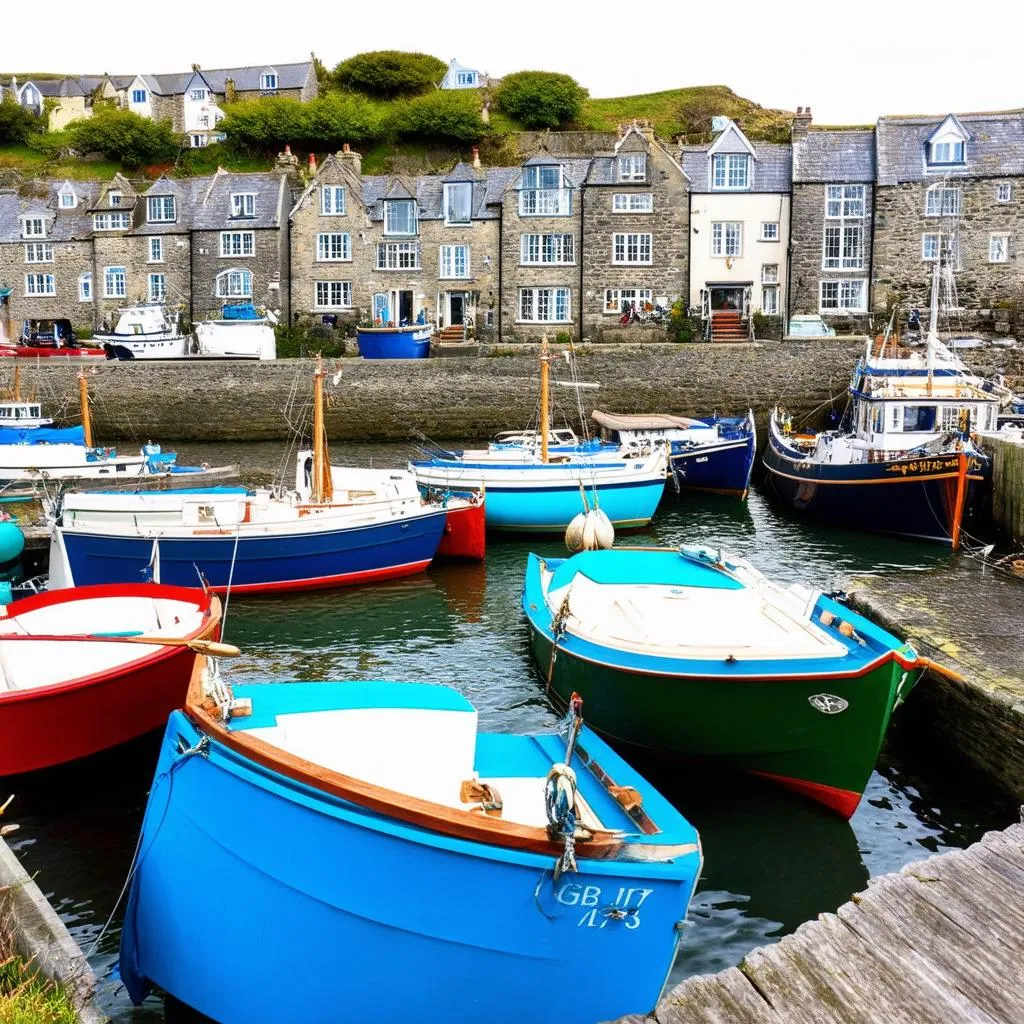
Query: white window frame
{"points": [[770, 299], [398, 256], [843, 246], [540, 198], [730, 172], [159, 292], [85, 287], [633, 202], [197, 95], [449, 186], [844, 288], [243, 205], [115, 282], [199, 141], [769, 273], [943, 201], [954, 153], [65, 196], [33, 227], [769, 231], [224, 288], [237, 244], [632, 248], [997, 253], [39, 252], [1004, 192], [268, 81], [727, 239], [845, 202], [161, 209], [450, 262], [117, 220], [334, 247], [40, 286], [547, 249], [531, 302], [631, 166], [332, 200], [391, 221], [930, 246], [332, 294], [615, 297], [155, 249]]}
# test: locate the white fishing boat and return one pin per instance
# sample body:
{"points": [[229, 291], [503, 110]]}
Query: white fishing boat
{"points": [[145, 331], [242, 333]]}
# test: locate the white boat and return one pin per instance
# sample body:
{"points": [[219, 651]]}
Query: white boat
{"points": [[145, 331], [242, 333]]}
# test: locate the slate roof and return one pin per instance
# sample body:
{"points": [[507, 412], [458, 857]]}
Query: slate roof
{"points": [[836, 156], [771, 167], [429, 197], [289, 76], [55, 89], [995, 147], [211, 200], [62, 225]]}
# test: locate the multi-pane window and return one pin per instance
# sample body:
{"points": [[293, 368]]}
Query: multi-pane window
{"points": [[632, 202], [1004, 192], [243, 204], [630, 247], [618, 300], [400, 217], [946, 153], [465, 77], [557, 248], [999, 247], [544, 305], [769, 273], [454, 261], [398, 256], [197, 95], [268, 81], [160, 208], [234, 284], [157, 287], [730, 171], [85, 287], [458, 203], [332, 200], [39, 252], [156, 249], [40, 284], [845, 201], [112, 221], [848, 295], [726, 238], [930, 246], [33, 227], [334, 294], [632, 167], [542, 193], [115, 282], [138, 95], [237, 243], [68, 200], [769, 231], [844, 246], [770, 299], [942, 201], [334, 245]]}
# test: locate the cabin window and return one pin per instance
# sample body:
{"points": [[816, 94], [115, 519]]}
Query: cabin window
{"points": [[918, 418], [157, 287], [878, 420], [332, 200], [453, 261], [234, 284], [333, 246], [156, 250], [458, 203], [895, 414], [632, 202], [631, 248], [400, 217], [730, 171], [85, 288], [115, 282]]}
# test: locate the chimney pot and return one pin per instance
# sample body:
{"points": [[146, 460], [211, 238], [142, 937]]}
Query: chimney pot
{"points": [[345, 148], [288, 149], [476, 156], [312, 163]]}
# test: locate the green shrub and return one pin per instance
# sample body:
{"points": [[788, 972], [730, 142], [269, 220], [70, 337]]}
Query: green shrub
{"points": [[766, 327], [681, 326], [16, 123], [269, 123], [389, 73], [124, 136], [441, 114], [541, 99]]}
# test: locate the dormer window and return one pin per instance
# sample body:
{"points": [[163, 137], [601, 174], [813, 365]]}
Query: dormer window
{"points": [[951, 152], [543, 193], [160, 209], [243, 204], [632, 167], [268, 81], [33, 227], [400, 217], [68, 200], [114, 197], [458, 203], [730, 171]]}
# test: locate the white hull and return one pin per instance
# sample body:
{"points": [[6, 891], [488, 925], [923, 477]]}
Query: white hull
{"points": [[66, 462], [234, 339], [169, 347]]}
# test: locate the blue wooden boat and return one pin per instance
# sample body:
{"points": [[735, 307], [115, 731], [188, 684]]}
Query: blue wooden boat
{"points": [[412, 342], [358, 851]]}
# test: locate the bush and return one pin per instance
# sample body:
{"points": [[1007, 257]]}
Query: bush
{"points": [[681, 326], [541, 99], [767, 327], [441, 114], [123, 136], [16, 123], [269, 123], [390, 73]]}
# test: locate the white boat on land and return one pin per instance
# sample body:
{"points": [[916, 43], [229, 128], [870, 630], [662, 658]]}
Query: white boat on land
{"points": [[242, 333], [145, 331]]}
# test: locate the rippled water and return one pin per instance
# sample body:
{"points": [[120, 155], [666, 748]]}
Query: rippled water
{"points": [[773, 860]]}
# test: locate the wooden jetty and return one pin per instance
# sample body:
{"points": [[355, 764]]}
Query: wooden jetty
{"points": [[940, 941]]}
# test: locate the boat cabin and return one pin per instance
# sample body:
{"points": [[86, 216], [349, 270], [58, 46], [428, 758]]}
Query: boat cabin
{"points": [[47, 333], [23, 414], [143, 321]]}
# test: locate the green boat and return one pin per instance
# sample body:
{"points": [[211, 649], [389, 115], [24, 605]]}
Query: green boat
{"points": [[694, 654]]}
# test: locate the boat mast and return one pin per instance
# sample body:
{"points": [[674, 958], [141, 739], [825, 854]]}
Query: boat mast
{"points": [[17, 383], [933, 321], [544, 370], [323, 486], [83, 400]]}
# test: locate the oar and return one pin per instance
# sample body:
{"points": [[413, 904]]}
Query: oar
{"points": [[211, 648]]}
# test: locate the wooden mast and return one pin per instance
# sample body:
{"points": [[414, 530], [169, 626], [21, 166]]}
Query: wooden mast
{"points": [[323, 486], [544, 359], [83, 399]]}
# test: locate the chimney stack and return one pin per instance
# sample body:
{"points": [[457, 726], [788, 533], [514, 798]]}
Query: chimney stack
{"points": [[476, 156], [801, 123], [229, 90], [287, 163], [351, 159]]}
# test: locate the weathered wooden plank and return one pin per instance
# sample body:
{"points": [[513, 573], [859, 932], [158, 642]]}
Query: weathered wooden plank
{"points": [[723, 998], [897, 915], [1009, 845]]}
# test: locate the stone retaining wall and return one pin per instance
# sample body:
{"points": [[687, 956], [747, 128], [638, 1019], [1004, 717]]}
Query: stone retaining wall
{"points": [[1008, 487]]}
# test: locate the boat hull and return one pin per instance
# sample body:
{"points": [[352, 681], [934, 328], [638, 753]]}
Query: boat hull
{"points": [[318, 889], [921, 497], [256, 562], [722, 467], [399, 343], [465, 531], [167, 347]]}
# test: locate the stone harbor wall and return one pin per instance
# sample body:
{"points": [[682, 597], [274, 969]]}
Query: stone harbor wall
{"points": [[457, 397]]}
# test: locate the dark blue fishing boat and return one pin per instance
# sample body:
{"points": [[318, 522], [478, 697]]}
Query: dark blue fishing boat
{"points": [[412, 342], [367, 844]]}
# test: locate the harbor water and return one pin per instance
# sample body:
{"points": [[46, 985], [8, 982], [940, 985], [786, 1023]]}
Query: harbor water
{"points": [[772, 859]]}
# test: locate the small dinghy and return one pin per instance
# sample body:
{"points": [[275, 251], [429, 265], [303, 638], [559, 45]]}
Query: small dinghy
{"points": [[695, 654], [87, 669], [392, 862]]}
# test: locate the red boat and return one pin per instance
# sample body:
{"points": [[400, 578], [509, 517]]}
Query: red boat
{"points": [[47, 338], [86, 669], [464, 531]]}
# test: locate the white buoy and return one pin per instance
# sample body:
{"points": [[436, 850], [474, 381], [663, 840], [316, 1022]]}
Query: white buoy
{"points": [[574, 533], [598, 532]]}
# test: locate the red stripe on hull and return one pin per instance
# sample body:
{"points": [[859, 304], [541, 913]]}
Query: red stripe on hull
{"points": [[842, 801], [390, 572]]}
